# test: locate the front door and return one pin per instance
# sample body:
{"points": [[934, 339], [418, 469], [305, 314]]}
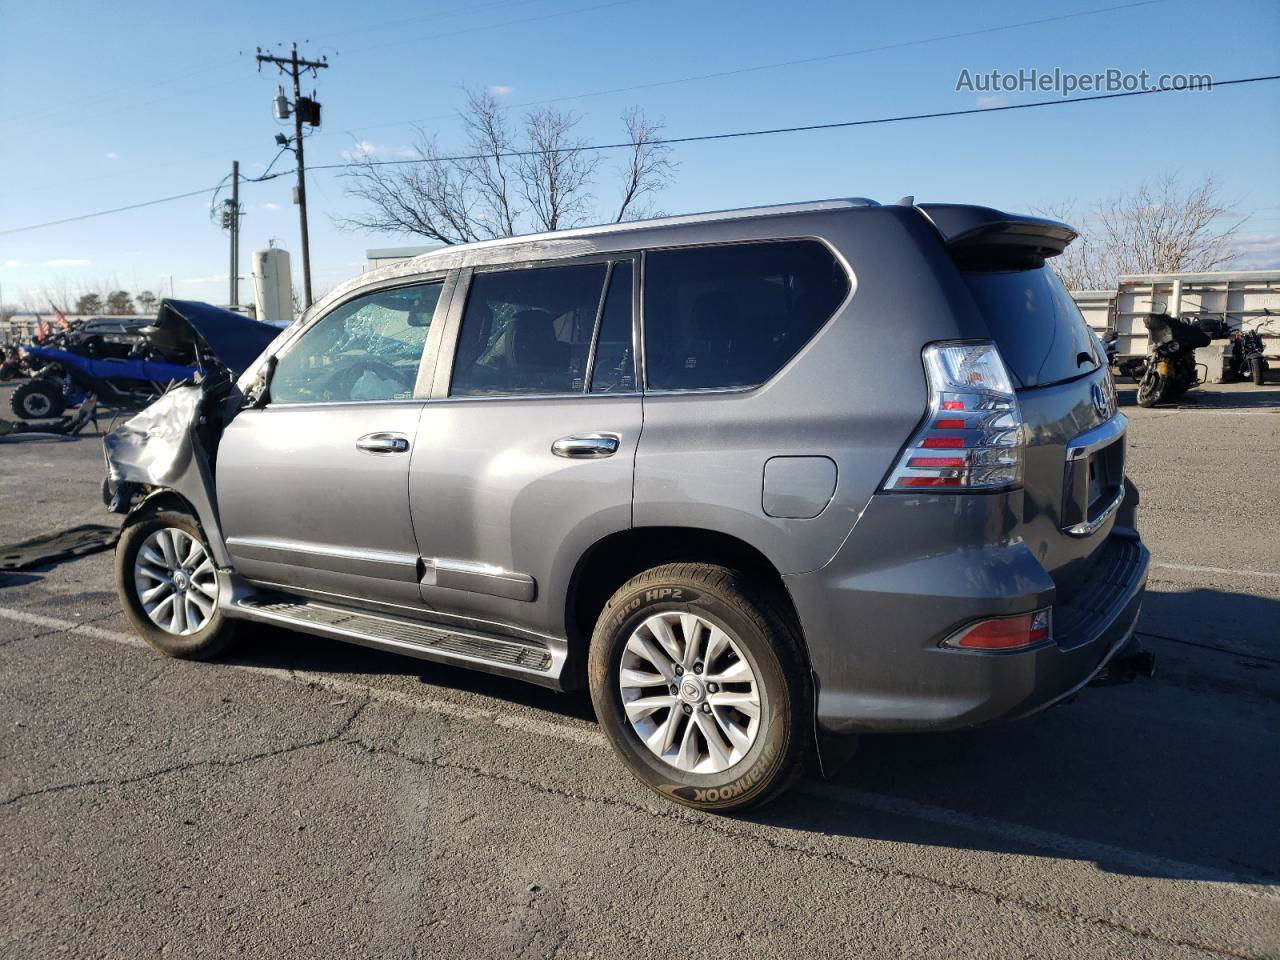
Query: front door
{"points": [[313, 488], [525, 455]]}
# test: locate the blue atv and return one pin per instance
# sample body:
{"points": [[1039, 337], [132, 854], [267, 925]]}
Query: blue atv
{"points": [[127, 364]]}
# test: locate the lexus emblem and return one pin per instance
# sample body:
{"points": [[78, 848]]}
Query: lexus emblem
{"points": [[1100, 402]]}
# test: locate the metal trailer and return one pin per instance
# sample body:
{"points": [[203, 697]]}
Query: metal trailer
{"points": [[1244, 297]]}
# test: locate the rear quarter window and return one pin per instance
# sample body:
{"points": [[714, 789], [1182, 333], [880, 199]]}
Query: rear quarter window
{"points": [[733, 315], [1040, 332]]}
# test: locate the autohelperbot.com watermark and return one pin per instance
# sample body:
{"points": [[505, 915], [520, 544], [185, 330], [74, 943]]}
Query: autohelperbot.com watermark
{"points": [[1066, 82]]}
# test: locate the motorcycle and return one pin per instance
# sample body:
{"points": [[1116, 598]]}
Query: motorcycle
{"points": [[12, 363], [1170, 368], [1247, 360], [128, 369]]}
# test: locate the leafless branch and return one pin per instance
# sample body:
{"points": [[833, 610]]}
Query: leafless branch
{"points": [[1159, 228], [538, 175], [649, 167]]}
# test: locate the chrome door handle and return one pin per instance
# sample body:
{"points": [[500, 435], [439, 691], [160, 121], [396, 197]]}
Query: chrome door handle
{"points": [[592, 446], [382, 443]]}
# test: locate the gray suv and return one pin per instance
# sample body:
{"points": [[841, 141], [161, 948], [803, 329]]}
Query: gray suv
{"points": [[760, 479]]}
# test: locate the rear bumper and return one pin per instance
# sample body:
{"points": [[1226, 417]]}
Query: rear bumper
{"points": [[874, 629]]}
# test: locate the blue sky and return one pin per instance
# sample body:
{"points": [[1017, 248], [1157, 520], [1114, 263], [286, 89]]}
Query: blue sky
{"points": [[110, 104]]}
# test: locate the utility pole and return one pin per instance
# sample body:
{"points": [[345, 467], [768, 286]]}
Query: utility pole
{"points": [[231, 221], [303, 109]]}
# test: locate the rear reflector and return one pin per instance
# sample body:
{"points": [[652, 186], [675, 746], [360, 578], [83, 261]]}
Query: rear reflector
{"points": [[973, 415], [1004, 633]]}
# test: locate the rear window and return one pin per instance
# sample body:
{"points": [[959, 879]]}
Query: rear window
{"points": [[732, 316], [1035, 323]]}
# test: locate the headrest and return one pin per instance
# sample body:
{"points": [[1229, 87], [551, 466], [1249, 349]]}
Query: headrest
{"points": [[532, 342]]}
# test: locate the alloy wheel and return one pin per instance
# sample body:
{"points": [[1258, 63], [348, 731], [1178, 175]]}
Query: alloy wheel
{"points": [[176, 581], [689, 693]]}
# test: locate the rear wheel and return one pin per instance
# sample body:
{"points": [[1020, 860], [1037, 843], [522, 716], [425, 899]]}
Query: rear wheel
{"points": [[699, 683], [1257, 370], [1152, 388], [38, 400], [168, 586]]}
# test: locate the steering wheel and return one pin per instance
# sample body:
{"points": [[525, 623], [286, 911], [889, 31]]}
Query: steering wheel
{"points": [[339, 384]]}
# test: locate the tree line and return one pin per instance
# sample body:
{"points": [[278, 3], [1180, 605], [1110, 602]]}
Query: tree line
{"points": [[116, 303]]}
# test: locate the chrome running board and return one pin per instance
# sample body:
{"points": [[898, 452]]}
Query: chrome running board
{"points": [[526, 660]]}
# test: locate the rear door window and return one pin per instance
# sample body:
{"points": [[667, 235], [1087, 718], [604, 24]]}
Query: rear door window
{"points": [[1041, 334], [614, 368], [733, 315], [547, 330]]}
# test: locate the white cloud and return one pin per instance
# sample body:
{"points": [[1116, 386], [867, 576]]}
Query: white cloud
{"points": [[220, 278], [362, 148], [405, 152], [992, 100], [270, 206], [112, 155], [500, 90], [67, 262], [1258, 251], [12, 264]]}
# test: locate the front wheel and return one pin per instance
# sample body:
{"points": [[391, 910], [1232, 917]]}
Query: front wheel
{"points": [[700, 685], [1258, 370], [38, 400], [1152, 388], [168, 586]]}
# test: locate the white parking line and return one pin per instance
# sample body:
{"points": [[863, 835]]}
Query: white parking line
{"points": [[1053, 843], [1192, 568]]}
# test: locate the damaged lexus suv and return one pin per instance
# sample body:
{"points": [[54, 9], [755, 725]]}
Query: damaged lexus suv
{"points": [[761, 480]]}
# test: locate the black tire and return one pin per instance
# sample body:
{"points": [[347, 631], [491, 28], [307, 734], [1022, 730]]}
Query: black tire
{"points": [[1257, 370], [38, 400], [212, 639], [769, 642], [1152, 389]]}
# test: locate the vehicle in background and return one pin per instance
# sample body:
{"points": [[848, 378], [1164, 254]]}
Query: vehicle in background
{"points": [[760, 479], [1171, 369], [13, 365], [122, 363], [1248, 359]]}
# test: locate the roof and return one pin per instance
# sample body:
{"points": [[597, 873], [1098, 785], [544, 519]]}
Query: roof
{"points": [[1215, 276], [657, 223]]}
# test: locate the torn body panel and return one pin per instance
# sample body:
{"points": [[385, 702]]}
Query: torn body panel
{"points": [[167, 447]]}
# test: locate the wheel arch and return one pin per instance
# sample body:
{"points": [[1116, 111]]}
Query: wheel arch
{"points": [[614, 559]]}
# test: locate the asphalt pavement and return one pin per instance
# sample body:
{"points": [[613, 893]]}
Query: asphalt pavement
{"points": [[308, 799]]}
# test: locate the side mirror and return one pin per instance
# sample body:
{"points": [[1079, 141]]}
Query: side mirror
{"points": [[260, 390]]}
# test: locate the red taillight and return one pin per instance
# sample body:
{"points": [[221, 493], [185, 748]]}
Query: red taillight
{"points": [[918, 482], [973, 415], [1004, 633]]}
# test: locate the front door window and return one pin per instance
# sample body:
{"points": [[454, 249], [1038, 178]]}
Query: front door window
{"points": [[369, 348]]}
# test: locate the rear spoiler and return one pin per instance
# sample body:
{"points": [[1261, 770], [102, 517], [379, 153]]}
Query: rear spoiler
{"points": [[980, 238]]}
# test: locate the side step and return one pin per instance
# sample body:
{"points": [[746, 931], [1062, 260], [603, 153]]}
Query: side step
{"points": [[503, 655]]}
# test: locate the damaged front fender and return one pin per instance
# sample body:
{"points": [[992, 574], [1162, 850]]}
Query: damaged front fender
{"points": [[161, 449]]}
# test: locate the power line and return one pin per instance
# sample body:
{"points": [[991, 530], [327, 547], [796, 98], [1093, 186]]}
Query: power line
{"points": [[738, 134], [673, 141]]}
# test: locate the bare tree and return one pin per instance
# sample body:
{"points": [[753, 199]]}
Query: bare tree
{"points": [[649, 167], [509, 179], [1159, 228]]}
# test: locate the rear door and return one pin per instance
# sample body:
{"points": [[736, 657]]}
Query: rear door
{"points": [[526, 451], [313, 489], [1076, 453]]}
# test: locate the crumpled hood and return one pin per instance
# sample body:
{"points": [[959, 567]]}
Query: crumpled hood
{"points": [[235, 340]]}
